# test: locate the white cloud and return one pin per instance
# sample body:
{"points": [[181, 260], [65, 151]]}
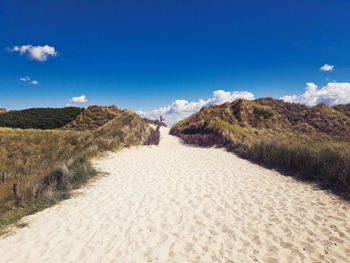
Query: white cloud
{"points": [[71, 105], [327, 67], [80, 99], [181, 109], [27, 79], [24, 79], [39, 53], [221, 96], [333, 94]]}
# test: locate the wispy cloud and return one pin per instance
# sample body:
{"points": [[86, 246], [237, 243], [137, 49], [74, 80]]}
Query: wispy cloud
{"points": [[327, 67], [71, 105], [333, 93], [24, 79], [28, 80], [38, 53], [80, 99], [181, 109]]}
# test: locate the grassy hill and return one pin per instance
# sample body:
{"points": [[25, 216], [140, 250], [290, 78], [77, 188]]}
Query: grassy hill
{"points": [[93, 117], [39, 118], [311, 142], [47, 164]]}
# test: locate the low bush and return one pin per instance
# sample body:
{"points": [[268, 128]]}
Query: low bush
{"points": [[262, 113]]}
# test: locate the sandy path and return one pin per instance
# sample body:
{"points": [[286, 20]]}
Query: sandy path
{"points": [[176, 203]]}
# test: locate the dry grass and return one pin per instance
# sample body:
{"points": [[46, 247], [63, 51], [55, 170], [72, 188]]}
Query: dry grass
{"points": [[275, 115], [311, 142], [93, 117], [46, 164]]}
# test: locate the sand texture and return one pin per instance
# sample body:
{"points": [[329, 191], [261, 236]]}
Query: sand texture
{"points": [[178, 203]]}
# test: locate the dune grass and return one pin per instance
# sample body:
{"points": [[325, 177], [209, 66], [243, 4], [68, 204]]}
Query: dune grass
{"points": [[93, 117], [47, 164], [312, 155], [320, 158]]}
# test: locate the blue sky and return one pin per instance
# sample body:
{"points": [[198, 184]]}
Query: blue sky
{"points": [[144, 55]]}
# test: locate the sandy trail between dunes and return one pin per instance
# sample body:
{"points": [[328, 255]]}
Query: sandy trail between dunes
{"points": [[177, 203]]}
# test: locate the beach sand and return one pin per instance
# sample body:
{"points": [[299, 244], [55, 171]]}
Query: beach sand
{"points": [[178, 203]]}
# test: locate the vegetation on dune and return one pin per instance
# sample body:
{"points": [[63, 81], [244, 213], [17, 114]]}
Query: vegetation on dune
{"points": [[39, 118], [312, 142], [2, 110], [153, 122], [262, 113], [47, 164], [93, 117], [96, 116]]}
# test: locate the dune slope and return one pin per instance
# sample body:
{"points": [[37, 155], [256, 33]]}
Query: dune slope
{"points": [[177, 203]]}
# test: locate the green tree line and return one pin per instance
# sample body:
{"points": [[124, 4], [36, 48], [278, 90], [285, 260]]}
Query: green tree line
{"points": [[39, 118]]}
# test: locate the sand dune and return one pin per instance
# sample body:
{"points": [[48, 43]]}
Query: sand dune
{"points": [[176, 203]]}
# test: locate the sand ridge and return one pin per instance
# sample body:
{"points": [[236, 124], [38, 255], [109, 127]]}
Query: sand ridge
{"points": [[178, 203]]}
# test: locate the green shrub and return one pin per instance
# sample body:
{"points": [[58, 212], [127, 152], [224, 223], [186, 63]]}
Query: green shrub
{"points": [[82, 170], [263, 113]]}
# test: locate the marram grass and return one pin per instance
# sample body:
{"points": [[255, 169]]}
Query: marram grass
{"points": [[314, 157], [47, 164]]}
